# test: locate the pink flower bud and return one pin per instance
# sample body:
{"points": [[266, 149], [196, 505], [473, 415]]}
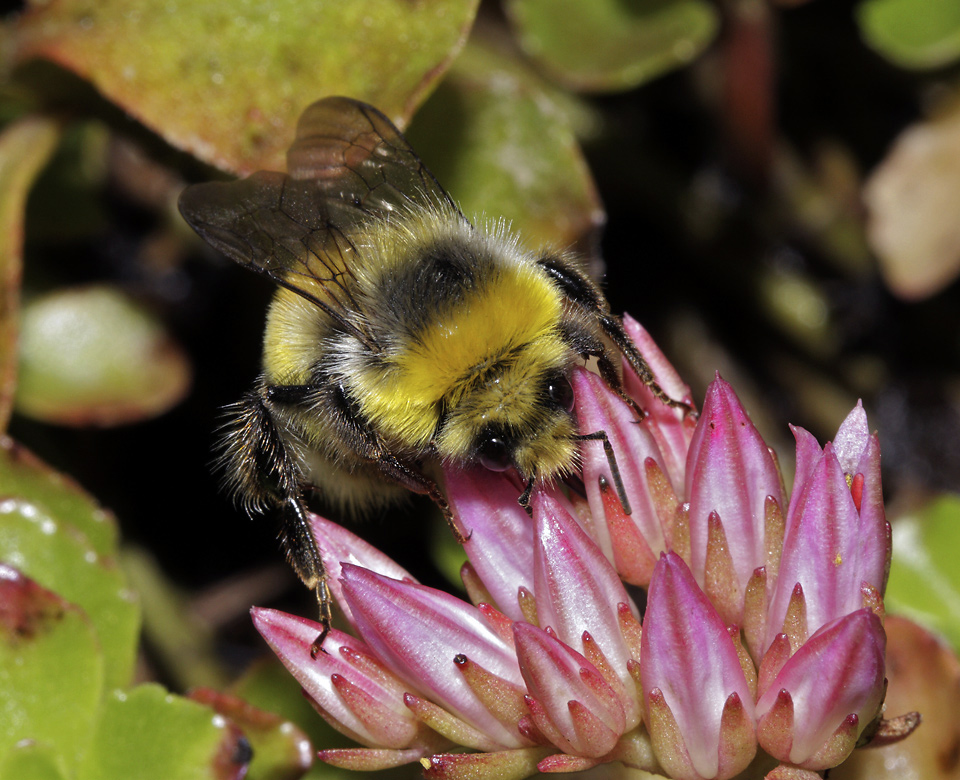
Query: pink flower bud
{"points": [[812, 713], [730, 477], [690, 669]]}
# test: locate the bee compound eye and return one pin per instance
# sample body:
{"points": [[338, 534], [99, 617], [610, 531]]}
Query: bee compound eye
{"points": [[494, 454], [560, 392]]}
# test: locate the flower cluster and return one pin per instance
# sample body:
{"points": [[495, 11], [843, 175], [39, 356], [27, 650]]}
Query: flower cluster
{"points": [[761, 640]]}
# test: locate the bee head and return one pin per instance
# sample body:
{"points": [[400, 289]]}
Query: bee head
{"points": [[514, 420]]}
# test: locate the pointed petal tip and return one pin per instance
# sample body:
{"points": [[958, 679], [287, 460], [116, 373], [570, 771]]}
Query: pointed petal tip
{"points": [[284, 631], [664, 372], [738, 737], [500, 543], [852, 439], [731, 472], [337, 544], [775, 727]]}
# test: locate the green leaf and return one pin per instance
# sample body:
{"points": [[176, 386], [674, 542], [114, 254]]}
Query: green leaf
{"points": [[149, 734], [31, 761], [227, 81], [501, 147], [912, 33], [92, 356], [181, 643], [924, 577], [24, 475], [25, 146], [606, 45], [51, 676], [59, 557]]}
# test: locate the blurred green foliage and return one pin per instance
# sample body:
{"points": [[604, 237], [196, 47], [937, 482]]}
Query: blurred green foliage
{"points": [[924, 578], [912, 33]]}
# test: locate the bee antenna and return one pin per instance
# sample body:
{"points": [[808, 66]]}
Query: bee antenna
{"points": [[611, 461]]}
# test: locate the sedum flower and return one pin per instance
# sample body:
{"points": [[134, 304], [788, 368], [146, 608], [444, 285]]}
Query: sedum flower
{"points": [[762, 637], [813, 711], [699, 700], [828, 570], [735, 501], [350, 688]]}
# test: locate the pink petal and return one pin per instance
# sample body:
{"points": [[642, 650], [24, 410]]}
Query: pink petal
{"points": [[570, 690], [600, 409], [672, 429], [578, 591], [500, 546], [419, 632], [730, 471], [876, 543], [808, 455], [687, 654], [337, 544], [823, 550], [859, 454], [851, 440], [386, 722], [838, 672]]}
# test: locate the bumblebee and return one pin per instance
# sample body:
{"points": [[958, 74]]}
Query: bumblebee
{"points": [[400, 335]]}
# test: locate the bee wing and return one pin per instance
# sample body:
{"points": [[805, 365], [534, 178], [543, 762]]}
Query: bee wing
{"points": [[356, 154], [348, 164]]}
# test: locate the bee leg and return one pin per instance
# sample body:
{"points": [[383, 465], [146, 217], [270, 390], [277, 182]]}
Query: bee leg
{"points": [[609, 375], [613, 327], [304, 557], [270, 483], [410, 478], [612, 462]]}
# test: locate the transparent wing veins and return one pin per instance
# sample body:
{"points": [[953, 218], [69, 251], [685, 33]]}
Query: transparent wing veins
{"points": [[348, 165]]}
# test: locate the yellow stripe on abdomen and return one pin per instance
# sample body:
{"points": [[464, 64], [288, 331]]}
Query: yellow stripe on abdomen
{"points": [[516, 309]]}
